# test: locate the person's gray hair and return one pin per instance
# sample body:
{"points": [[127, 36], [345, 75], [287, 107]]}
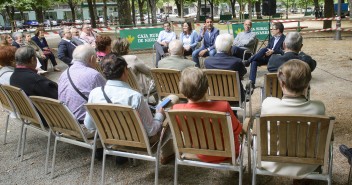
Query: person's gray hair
{"points": [[83, 53], [293, 41], [223, 42], [16, 35], [175, 47], [23, 55], [62, 32]]}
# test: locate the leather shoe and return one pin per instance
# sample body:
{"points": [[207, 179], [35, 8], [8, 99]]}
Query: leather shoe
{"points": [[167, 159], [347, 152], [56, 69], [246, 63]]}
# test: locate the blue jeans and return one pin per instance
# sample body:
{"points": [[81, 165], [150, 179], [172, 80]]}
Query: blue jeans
{"points": [[195, 54], [257, 60]]}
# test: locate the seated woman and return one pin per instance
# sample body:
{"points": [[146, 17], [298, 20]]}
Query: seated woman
{"points": [[7, 62], [194, 85], [103, 46], [294, 77], [140, 70], [6, 39], [189, 38], [39, 53]]}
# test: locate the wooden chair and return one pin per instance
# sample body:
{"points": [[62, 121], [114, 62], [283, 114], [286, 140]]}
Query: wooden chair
{"points": [[122, 133], [8, 108], [298, 139], [29, 116], [166, 82], [64, 127], [196, 132], [272, 87], [132, 81]]}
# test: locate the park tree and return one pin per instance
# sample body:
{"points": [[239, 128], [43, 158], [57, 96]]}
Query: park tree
{"points": [[152, 5], [91, 13], [141, 11], [328, 12], [73, 5], [124, 9]]}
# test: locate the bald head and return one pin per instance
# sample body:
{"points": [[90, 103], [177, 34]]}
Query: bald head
{"points": [[247, 25], [176, 47]]}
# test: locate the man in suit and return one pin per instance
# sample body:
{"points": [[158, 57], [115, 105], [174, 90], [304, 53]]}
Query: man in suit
{"points": [[66, 47], [209, 34], [224, 60], [176, 60], [25, 75], [292, 45], [275, 46]]}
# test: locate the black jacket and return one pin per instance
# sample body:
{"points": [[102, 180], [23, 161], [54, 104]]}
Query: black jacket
{"points": [[276, 61]]}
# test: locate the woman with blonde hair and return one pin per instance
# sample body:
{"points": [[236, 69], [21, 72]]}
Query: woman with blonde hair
{"points": [[121, 47], [6, 40]]}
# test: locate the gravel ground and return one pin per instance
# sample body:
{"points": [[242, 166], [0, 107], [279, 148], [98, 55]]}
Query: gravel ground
{"points": [[331, 83]]}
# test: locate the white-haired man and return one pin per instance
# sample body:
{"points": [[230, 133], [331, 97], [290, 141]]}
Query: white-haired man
{"points": [[66, 46], [176, 60], [223, 59], [79, 79]]}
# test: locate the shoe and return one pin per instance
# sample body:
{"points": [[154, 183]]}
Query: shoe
{"points": [[347, 152], [99, 154], [246, 63], [57, 69], [121, 160], [41, 72], [167, 159]]}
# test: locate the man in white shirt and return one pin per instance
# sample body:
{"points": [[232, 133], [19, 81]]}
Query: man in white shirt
{"points": [[244, 40], [162, 44]]}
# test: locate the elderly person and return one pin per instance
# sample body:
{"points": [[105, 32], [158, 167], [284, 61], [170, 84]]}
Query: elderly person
{"points": [[292, 45], [176, 59], [88, 35], [162, 43], [66, 47], [194, 85], [75, 37], [6, 40], [294, 77], [244, 40], [103, 46], [188, 37], [39, 53], [208, 34], [224, 60], [141, 71], [7, 62], [40, 40], [84, 77], [18, 40]]}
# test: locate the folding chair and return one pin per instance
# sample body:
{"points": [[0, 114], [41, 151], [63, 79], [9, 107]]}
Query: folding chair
{"points": [[204, 132], [8, 108], [29, 116], [251, 51], [166, 82], [122, 133], [64, 127], [298, 139]]}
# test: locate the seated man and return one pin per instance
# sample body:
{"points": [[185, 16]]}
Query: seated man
{"points": [[88, 35], [18, 40], [223, 59], [194, 85], [162, 43], [275, 46], [119, 92], [294, 77], [84, 77], [292, 46], [244, 40], [66, 46], [176, 59], [75, 37], [209, 34]]}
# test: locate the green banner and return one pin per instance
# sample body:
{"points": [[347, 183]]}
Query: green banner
{"points": [[261, 29], [143, 38]]}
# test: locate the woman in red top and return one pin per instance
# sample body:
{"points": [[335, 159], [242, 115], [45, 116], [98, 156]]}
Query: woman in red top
{"points": [[194, 85]]}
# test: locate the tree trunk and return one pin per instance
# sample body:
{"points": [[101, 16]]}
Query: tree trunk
{"points": [[39, 14], [233, 8], [258, 9], [72, 7], [133, 13], [328, 12], [249, 9], [124, 9], [10, 10], [91, 13], [95, 9], [199, 4], [152, 5], [141, 12], [211, 3], [178, 5], [105, 12]]}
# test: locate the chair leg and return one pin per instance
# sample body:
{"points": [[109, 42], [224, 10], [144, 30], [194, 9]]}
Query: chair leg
{"points": [[350, 176], [54, 156], [176, 173], [92, 162], [254, 162], [6, 126], [20, 140], [103, 168], [23, 142], [47, 152]]}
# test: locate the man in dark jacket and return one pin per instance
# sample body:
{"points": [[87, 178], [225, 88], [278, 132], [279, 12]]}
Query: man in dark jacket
{"points": [[292, 46], [66, 47]]}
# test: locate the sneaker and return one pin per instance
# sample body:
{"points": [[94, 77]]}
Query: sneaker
{"points": [[347, 152], [246, 63], [57, 69], [41, 72]]}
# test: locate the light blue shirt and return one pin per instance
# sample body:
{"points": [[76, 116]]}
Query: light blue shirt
{"points": [[277, 38], [165, 36], [245, 40], [120, 92]]}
